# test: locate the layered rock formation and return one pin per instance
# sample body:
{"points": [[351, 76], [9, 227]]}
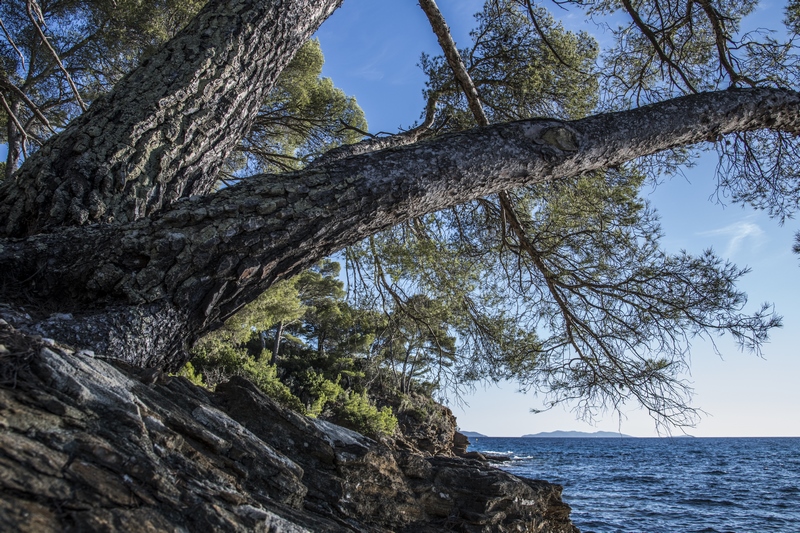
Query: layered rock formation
{"points": [[87, 444]]}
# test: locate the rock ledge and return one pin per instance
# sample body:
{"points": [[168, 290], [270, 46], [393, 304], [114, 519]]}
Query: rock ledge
{"points": [[87, 444]]}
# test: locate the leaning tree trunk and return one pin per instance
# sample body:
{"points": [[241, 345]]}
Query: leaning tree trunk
{"points": [[165, 129], [147, 290]]}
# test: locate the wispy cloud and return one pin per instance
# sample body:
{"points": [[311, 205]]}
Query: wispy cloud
{"points": [[370, 72], [738, 234]]}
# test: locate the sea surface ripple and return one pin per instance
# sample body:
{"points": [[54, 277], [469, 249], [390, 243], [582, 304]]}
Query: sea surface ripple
{"points": [[653, 485]]}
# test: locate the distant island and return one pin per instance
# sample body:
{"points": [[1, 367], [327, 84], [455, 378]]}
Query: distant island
{"points": [[578, 435], [558, 435]]}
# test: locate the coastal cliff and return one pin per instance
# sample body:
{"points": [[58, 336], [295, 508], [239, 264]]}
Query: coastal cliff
{"points": [[89, 444]]}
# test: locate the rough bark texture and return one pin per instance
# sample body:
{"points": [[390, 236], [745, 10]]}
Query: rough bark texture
{"points": [[165, 130], [88, 446], [179, 274], [14, 140]]}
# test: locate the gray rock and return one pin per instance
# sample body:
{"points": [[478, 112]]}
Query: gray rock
{"points": [[85, 445]]}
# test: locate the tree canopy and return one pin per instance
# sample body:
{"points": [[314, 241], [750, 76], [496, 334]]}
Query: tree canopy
{"points": [[569, 293], [516, 248]]}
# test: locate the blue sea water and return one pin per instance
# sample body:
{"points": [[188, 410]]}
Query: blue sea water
{"points": [[654, 485]]}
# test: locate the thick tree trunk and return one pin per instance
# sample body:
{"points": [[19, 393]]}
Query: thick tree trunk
{"points": [[183, 272], [13, 141], [166, 129]]}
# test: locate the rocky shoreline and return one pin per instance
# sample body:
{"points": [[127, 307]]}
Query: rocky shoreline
{"points": [[90, 444]]}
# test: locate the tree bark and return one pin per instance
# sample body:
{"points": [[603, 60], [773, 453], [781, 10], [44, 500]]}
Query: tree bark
{"points": [[183, 272], [166, 129], [277, 347], [14, 139]]}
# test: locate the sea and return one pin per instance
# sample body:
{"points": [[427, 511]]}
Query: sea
{"points": [[671, 484]]}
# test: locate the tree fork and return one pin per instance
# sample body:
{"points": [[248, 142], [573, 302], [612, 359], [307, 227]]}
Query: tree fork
{"points": [[196, 264]]}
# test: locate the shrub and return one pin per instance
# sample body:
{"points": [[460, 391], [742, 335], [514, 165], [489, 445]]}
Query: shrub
{"points": [[322, 392], [358, 413], [192, 375], [265, 377]]}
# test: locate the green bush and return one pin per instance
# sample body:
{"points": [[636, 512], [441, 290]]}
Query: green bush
{"points": [[318, 384], [358, 413], [320, 391], [192, 375], [265, 377], [217, 361]]}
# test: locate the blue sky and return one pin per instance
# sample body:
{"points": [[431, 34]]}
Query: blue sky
{"points": [[372, 48]]}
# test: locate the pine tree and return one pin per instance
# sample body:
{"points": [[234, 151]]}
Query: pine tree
{"points": [[113, 228]]}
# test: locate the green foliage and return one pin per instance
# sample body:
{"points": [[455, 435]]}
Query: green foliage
{"points": [[319, 391], [357, 412], [265, 376], [318, 372], [792, 18], [303, 116], [687, 48], [568, 291], [521, 70], [311, 392], [192, 375], [282, 301], [588, 307], [616, 306], [215, 361], [135, 29], [330, 323], [417, 343]]}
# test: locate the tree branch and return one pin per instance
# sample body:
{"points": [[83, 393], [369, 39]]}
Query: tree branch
{"points": [[450, 50], [648, 33], [5, 83], [34, 13], [375, 144], [720, 37], [200, 261]]}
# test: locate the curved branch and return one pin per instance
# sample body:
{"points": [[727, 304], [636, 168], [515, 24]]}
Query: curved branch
{"points": [[375, 144]]}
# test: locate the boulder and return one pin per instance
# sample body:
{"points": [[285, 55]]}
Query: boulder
{"points": [[460, 443]]}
